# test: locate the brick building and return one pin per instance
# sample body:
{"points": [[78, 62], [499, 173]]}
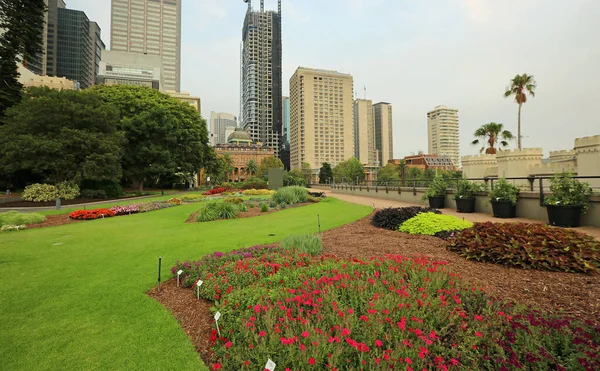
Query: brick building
{"points": [[242, 149]]}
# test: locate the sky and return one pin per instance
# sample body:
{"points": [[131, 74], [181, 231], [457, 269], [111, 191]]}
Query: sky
{"points": [[414, 54]]}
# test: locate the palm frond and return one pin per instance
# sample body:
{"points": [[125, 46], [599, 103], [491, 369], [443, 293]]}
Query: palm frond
{"points": [[475, 142], [507, 135], [504, 143]]}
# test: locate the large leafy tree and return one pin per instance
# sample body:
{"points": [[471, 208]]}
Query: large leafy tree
{"points": [[388, 173], [493, 134], [21, 27], [350, 170], [61, 136], [267, 163], [218, 171], [325, 173], [520, 86], [164, 136]]}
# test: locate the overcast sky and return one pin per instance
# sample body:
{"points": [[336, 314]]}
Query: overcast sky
{"points": [[415, 54]]}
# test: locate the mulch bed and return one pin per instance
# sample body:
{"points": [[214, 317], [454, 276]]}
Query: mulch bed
{"points": [[575, 295], [54, 220], [252, 212]]}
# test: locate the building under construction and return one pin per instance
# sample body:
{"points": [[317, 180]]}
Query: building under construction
{"points": [[261, 104]]}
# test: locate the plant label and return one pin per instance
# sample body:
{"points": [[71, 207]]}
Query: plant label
{"points": [[270, 365], [217, 316], [179, 272], [199, 283]]}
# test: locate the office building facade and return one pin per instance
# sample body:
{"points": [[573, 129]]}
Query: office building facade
{"points": [[384, 133], [150, 27], [261, 88], [321, 118], [442, 132], [219, 122], [122, 68], [365, 149]]}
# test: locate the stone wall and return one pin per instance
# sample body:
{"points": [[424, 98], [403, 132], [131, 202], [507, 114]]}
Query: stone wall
{"points": [[480, 166], [588, 158]]}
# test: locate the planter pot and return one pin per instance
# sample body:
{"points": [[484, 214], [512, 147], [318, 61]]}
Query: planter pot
{"points": [[564, 216], [504, 209], [437, 202], [465, 205]]}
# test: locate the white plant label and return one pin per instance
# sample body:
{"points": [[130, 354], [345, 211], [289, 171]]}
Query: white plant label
{"points": [[217, 316], [270, 365], [199, 283], [179, 272]]}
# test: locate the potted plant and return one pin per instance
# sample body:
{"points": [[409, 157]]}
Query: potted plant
{"points": [[568, 201], [465, 196], [436, 193], [504, 199]]}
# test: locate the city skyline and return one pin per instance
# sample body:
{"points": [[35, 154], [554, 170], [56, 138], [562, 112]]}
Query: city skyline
{"points": [[459, 53]]}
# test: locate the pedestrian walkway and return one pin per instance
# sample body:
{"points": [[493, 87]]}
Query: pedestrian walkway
{"points": [[473, 217]]}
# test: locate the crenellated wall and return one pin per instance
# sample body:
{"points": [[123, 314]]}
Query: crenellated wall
{"points": [[480, 166], [588, 157]]}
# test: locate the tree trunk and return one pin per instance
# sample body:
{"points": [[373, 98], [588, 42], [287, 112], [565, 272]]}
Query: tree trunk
{"points": [[519, 127], [141, 185]]}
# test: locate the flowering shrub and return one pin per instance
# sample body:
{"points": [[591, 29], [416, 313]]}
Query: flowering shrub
{"points": [[234, 200], [174, 200], [378, 314], [258, 192], [153, 206], [524, 245], [391, 218], [215, 191], [48, 192], [430, 224], [125, 210], [193, 198], [15, 218], [92, 214], [12, 228]]}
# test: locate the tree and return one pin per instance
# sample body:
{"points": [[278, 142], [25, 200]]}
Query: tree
{"points": [[251, 167], [294, 177], [350, 170], [164, 136], [492, 133], [62, 136], [325, 173], [23, 23], [402, 170], [520, 86], [414, 173], [306, 172], [388, 173], [218, 171], [267, 163]]}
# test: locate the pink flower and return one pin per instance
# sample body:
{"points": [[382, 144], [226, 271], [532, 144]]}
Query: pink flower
{"points": [[228, 344], [478, 318], [478, 334], [305, 334], [454, 361], [345, 332], [350, 311], [364, 318], [378, 343]]}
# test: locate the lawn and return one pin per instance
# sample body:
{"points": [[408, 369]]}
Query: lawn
{"points": [[73, 297]]}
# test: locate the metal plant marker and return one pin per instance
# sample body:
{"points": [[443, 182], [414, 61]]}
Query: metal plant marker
{"points": [[159, 263], [178, 274]]}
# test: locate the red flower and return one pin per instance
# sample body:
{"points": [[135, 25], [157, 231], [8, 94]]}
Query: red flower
{"points": [[345, 332], [305, 334], [217, 366], [378, 343], [262, 333], [311, 361], [228, 344]]}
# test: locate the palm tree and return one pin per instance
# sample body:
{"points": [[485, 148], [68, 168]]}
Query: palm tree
{"points": [[519, 87], [492, 133], [251, 167], [402, 169]]}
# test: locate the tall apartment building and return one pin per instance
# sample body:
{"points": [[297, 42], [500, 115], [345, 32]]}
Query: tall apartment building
{"points": [[384, 133], [261, 76], [321, 117], [442, 130], [284, 145], [150, 27], [365, 149], [219, 122]]}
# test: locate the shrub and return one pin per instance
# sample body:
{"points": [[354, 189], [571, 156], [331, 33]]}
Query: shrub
{"points": [[468, 189], [215, 191], [264, 208], [504, 191], [93, 193], [391, 218], [529, 246], [12, 228], [303, 243], [112, 189], [16, 218], [258, 192], [314, 199], [250, 205], [92, 214], [193, 198], [207, 213], [272, 204], [234, 200], [125, 210], [291, 195], [567, 191], [48, 192], [217, 210], [429, 224], [437, 188], [254, 183], [242, 207], [174, 200]]}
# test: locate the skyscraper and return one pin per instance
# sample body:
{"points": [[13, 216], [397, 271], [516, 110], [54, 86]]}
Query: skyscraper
{"points": [[219, 122], [150, 27], [52, 35], [442, 131], [365, 149], [384, 140], [321, 118], [261, 76], [284, 145]]}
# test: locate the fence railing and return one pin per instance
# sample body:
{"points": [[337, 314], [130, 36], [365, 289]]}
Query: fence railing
{"points": [[539, 184]]}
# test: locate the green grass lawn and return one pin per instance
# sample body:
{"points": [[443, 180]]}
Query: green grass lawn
{"points": [[73, 297]]}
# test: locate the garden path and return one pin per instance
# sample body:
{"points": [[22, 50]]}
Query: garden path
{"points": [[474, 217]]}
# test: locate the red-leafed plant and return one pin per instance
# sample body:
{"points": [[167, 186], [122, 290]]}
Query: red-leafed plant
{"points": [[92, 214], [215, 191], [529, 246]]}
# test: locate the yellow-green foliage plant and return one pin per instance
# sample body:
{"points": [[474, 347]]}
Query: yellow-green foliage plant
{"points": [[430, 224]]}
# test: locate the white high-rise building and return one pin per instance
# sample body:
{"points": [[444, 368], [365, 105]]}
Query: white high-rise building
{"points": [[150, 27], [442, 131], [219, 122]]}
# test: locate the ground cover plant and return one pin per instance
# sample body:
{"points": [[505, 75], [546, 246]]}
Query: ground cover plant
{"points": [[100, 272], [215, 191], [211, 211], [430, 224], [15, 218], [193, 198], [258, 192], [529, 246], [377, 314], [290, 195], [392, 217], [303, 243]]}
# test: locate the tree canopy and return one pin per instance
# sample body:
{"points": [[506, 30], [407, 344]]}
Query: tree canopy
{"points": [[350, 170], [388, 173], [267, 163], [325, 173], [493, 134], [520, 86], [61, 136]]}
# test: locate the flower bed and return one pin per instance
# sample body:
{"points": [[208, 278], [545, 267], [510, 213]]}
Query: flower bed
{"points": [[431, 224], [92, 214], [392, 218], [258, 192], [215, 191], [377, 314], [529, 246], [125, 210]]}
